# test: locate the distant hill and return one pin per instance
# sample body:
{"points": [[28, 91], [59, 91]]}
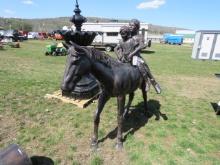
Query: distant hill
{"points": [[158, 29], [50, 24]]}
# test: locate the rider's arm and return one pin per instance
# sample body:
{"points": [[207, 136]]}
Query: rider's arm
{"points": [[118, 52], [140, 46]]}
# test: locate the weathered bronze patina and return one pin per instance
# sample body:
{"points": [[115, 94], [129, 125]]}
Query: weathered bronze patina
{"points": [[129, 51], [116, 78], [14, 155]]}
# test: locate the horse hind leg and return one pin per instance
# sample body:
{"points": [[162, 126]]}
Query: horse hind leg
{"points": [[103, 98], [144, 93], [131, 97], [121, 104]]}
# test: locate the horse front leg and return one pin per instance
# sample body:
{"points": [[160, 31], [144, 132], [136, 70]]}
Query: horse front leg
{"points": [[144, 93], [103, 98], [121, 104], [131, 97]]}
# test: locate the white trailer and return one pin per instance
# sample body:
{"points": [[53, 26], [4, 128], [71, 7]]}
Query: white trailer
{"points": [[207, 45], [108, 33]]}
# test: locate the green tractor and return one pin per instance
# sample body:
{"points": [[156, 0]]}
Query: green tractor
{"points": [[56, 50]]}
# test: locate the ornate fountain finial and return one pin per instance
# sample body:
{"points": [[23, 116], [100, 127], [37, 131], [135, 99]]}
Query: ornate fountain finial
{"points": [[78, 19], [87, 86], [77, 10]]}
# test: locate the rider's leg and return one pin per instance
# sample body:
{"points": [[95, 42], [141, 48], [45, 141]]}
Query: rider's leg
{"points": [[147, 74], [152, 80]]}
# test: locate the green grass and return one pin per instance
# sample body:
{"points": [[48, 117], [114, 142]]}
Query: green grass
{"points": [[62, 132]]}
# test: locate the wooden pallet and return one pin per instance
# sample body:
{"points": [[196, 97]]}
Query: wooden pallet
{"points": [[80, 103]]}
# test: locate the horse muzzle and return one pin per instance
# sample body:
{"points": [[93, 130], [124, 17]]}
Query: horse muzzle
{"points": [[68, 85]]}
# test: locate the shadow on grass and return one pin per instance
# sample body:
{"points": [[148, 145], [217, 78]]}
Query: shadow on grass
{"points": [[100, 48], [216, 108], [136, 119], [3, 49], [217, 75], [41, 160], [154, 109], [148, 51]]}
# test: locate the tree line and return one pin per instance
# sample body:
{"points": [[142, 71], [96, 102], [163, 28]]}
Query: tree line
{"points": [[50, 24], [14, 23]]}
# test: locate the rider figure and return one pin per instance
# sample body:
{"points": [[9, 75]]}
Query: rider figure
{"points": [[129, 51], [125, 46]]}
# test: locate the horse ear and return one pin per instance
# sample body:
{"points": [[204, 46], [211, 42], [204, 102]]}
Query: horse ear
{"points": [[66, 45], [74, 44], [79, 48]]}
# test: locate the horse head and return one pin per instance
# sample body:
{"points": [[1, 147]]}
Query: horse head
{"points": [[77, 65]]}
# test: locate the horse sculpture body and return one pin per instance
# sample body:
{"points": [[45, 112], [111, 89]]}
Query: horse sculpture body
{"points": [[116, 79]]}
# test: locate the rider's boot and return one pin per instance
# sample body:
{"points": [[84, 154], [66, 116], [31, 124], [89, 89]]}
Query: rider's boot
{"points": [[156, 86], [152, 80]]}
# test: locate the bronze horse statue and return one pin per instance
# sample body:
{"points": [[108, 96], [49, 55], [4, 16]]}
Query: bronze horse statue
{"points": [[116, 80]]}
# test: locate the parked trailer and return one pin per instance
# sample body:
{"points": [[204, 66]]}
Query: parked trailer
{"points": [[206, 45], [108, 40], [108, 33]]}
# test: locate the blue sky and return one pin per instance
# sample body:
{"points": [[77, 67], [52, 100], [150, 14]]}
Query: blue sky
{"points": [[191, 14]]}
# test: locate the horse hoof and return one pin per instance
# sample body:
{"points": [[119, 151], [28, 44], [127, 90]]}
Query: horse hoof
{"points": [[157, 118], [119, 146], [94, 146], [125, 116]]}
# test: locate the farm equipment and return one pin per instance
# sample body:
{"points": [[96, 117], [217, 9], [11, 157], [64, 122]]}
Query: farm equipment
{"points": [[11, 44], [173, 39], [14, 44], [55, 50], [9, 38], [58, 36]]}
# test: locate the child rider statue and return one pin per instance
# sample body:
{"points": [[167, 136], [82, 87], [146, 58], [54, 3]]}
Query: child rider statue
{"points": [[128, 51]]}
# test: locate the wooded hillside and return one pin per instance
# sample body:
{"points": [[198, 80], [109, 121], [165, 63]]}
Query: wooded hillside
{"points": [[50, 24]]}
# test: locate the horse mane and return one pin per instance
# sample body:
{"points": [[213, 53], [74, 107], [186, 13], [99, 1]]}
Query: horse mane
{"points": [[104, 58]]}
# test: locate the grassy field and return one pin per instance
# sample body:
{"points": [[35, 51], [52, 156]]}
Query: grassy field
{"points": [[182, 130]]}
